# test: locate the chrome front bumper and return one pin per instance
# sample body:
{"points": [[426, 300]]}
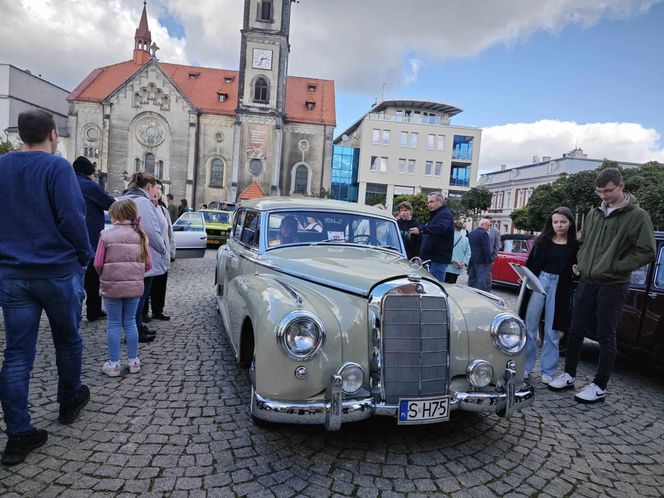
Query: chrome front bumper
{"points": [[335, 411]]}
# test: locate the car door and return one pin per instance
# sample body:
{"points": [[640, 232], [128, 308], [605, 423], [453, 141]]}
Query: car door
{"points": [[190, 236], [243, 251], [511, 251], [651, 336]]}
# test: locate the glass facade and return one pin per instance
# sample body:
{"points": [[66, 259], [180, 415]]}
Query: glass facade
{"points": [[345, 163], [463, 148], [460, 175]]}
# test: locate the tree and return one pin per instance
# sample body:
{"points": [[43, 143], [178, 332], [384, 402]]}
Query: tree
{"points": [[7, 146], [651, 198], [419, 202], [523, 220], [476, 200]]}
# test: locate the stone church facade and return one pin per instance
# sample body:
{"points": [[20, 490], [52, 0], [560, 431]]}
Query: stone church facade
{"points": [[209, 133]]}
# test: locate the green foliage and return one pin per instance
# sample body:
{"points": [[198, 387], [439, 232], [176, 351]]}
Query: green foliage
{"points": [[7, 146], [419, 202], [476, 200], [374, 198], [577, 192], [324, 194]]}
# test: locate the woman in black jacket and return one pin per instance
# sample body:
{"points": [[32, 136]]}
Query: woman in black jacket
{"points": [[551, 259]]}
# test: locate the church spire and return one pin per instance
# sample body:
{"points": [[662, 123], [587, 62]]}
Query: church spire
{"points": [[142, 39]]}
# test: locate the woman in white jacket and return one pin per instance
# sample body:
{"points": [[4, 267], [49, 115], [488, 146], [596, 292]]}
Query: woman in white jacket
{"points": [[460, 255], [140, 189]]}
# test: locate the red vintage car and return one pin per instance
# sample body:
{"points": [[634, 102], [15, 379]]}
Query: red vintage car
{"points": [[514, 248]]}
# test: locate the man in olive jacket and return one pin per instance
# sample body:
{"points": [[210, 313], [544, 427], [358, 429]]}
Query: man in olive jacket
{"points": [[617, 238]]}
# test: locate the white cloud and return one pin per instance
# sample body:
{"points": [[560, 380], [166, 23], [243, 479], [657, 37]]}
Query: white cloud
{"points": [[358, 44], [515, 144]]}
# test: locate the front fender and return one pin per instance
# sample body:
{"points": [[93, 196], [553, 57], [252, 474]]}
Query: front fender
{"points": [[268, 299]]}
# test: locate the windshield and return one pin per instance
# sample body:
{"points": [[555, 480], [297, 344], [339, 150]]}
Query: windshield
{"points": [[216, 217], [317, 227], [189, 222]]}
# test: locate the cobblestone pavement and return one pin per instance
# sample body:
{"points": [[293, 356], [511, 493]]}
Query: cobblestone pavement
{"points": [[181, 428]]}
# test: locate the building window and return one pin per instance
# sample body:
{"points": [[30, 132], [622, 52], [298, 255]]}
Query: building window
{"points": [[428, 168], [375, 137], [149, 163], [217, 173], [403, 139], [440, 142], [310, 105], [137, 165], [386, 137], [438, 169], [460, 175], [228, 79], [376, 194], [223, 97], [374, 163], [194, 76], [411, 166], [383, 164], [261, 90], [311, 87], [430, 141], [345, 166], [398, 115], [413, 140], [265, 10], [463, 148], [160, 169], [402, 166], [301, 178]]}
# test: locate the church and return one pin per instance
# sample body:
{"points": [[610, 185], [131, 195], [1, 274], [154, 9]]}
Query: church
{"points": [[209, 134]]}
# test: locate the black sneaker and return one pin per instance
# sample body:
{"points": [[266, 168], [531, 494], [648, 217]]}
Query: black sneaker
{"points": [[146, 335], [160, 316], [21, 444], [69, 410], [146, 319]]}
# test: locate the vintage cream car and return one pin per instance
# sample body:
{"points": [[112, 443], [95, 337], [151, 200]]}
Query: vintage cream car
{"points": [[336, 325]]}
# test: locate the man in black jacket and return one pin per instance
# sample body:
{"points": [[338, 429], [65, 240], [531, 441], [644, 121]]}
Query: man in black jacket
{"points": [[438, 236]]}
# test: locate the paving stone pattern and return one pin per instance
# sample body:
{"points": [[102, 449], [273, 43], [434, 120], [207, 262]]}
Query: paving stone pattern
{"points": [[181, 428]]}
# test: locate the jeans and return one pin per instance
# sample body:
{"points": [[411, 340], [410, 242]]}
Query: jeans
{"points": [[147, 285], [550, 350], [22, 302], [605, 302], [438, 270], [121, 314], [479, 276]]}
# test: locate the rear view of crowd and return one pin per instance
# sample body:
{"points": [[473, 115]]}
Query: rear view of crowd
{"points": [[54, 254]]}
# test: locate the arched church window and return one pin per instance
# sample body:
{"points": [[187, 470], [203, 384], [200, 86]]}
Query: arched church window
{"points": [[261, 90], [160, 169], [265, 10], [217, 173], [301, 174], [149, 163]]}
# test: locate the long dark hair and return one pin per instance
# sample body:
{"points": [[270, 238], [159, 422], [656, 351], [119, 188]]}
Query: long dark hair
{"points": [[548, 232]]}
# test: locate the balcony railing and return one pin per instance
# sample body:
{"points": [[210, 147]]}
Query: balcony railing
{"points": [[409, 119]]}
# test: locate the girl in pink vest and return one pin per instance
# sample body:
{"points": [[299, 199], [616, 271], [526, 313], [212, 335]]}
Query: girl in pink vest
{"points": [[121, 260]]}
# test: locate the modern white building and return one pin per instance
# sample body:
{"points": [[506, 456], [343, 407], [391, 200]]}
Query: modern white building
{"points": [[20, 90], [512, 187], [404, 147]]}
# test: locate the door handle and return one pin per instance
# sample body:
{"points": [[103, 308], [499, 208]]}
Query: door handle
{"points": [[652, 295]]}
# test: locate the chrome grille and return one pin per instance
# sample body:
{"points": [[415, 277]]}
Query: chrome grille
{"points": [[415, 346]]}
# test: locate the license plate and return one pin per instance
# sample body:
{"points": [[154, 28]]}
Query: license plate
{"points": [[424, 410], [213, 241]]}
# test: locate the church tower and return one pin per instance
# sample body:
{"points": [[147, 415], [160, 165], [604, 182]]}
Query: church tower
{"points": [[142, 39], [261, 94]]}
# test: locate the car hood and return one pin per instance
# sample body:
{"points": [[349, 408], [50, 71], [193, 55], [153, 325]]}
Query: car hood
{"points": [[355, 269]]}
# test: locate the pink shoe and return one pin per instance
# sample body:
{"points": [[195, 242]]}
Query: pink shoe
{"points": [[110, 369]]}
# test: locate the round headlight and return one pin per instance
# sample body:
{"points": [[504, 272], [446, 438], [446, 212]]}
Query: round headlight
{"points": [[479, 373], [508, 333], [300, 335], [352, 377]]}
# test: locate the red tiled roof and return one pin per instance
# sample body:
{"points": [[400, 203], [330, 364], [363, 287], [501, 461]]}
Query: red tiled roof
{"points": [[253, 191], [204, 89]]}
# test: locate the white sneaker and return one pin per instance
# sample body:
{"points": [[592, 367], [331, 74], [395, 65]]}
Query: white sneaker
{"points": [[111, 369], [546, 379], [134, 365], [590, 394], [563, 381]]}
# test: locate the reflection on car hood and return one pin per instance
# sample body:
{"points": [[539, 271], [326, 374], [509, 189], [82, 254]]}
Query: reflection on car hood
{"points": [[356, 269]]}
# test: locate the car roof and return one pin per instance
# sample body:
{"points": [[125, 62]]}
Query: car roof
{"points": [[214, 211], [278, 203]]}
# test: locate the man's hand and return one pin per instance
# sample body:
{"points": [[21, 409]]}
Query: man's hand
{"points": [[414, 231], [575, 270]]}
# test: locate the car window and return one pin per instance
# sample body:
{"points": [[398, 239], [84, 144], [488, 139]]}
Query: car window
{"points": [[659, 273], [508, 244], [239, 220], [520, 246], [638, 278], [189, 222], [251, 229]]}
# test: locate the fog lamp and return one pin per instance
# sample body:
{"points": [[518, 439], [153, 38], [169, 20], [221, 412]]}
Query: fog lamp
{"points": [[352, 377], [479, 373]]}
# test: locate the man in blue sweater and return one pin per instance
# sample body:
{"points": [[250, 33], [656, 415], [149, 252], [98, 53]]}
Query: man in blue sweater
{"points": [[438, 236], [44, 250], [96, 202]]}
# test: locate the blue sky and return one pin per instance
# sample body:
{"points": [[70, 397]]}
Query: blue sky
{"points": [[538, 76]]}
